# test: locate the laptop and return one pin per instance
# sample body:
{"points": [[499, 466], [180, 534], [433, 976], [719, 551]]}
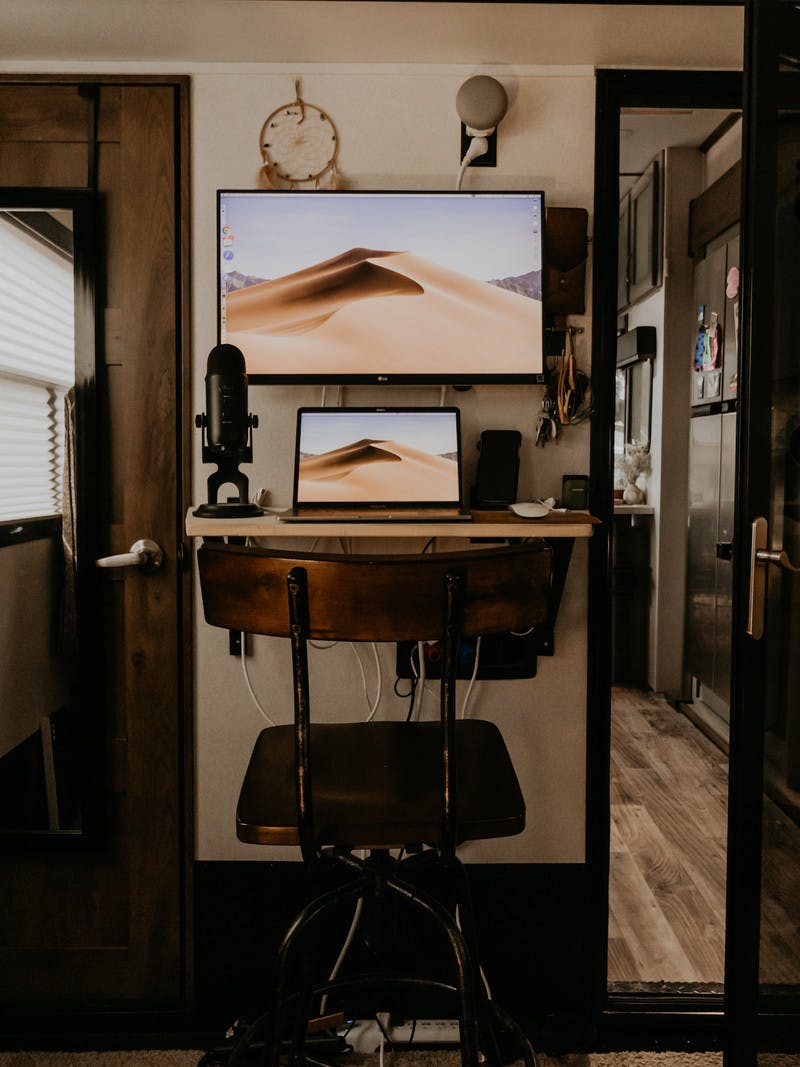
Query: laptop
{"points": [[377, 465]]}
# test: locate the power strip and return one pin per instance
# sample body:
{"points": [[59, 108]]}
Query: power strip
{"points": [[426, 1032], [365, 1034]]}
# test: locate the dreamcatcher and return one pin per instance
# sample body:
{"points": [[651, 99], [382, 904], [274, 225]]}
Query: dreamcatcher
{"points": [[298, 145]]}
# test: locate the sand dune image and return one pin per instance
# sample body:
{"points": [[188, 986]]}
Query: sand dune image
{"points": [[371, 470], [393, 311]]}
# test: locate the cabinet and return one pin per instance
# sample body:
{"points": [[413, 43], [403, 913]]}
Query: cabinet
{"points": [[631, 595], [640, 237]]}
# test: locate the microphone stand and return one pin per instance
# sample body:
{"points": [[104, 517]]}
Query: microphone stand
{"points": [[227, 472]]}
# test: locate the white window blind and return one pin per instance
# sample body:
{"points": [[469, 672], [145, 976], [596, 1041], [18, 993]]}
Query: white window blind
{"points": [[37, 367]]}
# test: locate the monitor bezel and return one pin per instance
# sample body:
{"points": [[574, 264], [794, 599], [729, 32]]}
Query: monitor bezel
{"points": [[377, 378]]}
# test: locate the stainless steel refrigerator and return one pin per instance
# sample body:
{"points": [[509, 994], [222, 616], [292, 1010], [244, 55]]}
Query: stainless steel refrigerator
{"points": [[707, 648]]}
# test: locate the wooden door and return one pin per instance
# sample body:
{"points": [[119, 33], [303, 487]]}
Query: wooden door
{"points": [[104, 920]]}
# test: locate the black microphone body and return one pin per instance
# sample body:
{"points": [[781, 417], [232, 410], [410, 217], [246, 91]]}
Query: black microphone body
{"points": [[227, 436], [227, 425]]}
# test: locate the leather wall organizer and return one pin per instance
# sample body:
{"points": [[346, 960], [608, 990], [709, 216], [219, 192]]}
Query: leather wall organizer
{"points": [[566, 251]]}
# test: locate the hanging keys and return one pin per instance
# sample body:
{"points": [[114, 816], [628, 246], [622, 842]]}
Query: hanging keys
{"points": [[547, 423]]}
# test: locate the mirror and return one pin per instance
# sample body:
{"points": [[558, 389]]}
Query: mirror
{"points": [[47, 369]]}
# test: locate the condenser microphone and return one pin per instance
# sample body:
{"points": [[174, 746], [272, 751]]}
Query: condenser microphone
{"points": [[227, 433], [226, 402]]}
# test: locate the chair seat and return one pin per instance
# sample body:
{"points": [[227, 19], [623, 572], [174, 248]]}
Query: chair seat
{"points": [[379, 785]]}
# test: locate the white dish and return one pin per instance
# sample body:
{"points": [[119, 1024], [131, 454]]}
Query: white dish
{"points": [[530, 510]]}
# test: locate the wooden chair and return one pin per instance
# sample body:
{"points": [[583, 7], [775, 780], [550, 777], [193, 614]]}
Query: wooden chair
{"points": [[421, 787]]}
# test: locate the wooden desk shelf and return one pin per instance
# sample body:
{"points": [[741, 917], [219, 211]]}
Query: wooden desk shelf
{"points": [[486, 524]]}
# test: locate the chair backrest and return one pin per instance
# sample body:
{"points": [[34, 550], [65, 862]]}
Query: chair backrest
{"points": [[376, 598], [440, 596]]}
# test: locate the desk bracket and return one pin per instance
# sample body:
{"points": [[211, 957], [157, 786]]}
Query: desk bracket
{"points": [[544, 633]]}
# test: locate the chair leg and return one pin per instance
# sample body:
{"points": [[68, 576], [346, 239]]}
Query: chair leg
{"points": [[465, 979], [301, 1015], [489, 1011], [308, 915], [270, 1022], [465, 920]]}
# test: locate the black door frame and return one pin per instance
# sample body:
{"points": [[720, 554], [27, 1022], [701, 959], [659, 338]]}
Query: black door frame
{"points": [[655, 1020], [755, 1023]]}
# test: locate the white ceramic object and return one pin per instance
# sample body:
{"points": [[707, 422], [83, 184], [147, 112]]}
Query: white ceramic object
{"points": [[530, 509]]}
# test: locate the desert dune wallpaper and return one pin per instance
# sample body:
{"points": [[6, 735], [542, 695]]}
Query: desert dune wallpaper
{"points": [[344, 458], [376, 470], [448, 285]]}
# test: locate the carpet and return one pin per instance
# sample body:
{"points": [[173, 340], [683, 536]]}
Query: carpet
{"points": [[188, 1058]]}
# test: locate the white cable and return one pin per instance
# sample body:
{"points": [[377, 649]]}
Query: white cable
{"points": [[480, 968], [373, 705], [243, 638], [322, 398], [361, 669], [442, 396], [420, 676], [379, 683], [343, 951], [472, 677], [478, 146], [420, 679]]}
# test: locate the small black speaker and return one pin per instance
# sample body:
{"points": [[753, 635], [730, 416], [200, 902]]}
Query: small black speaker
{"points": [[575, 492], [498, 470]]}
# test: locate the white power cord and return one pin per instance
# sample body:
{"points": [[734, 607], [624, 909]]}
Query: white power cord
{"points": [[484, 979], [473, 676], [420, 676], [251, 691], [343, 951], [478, 146], [373, 705]]}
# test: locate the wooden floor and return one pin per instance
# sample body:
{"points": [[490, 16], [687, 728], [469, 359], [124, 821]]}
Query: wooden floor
{"points": [[668, 847]]}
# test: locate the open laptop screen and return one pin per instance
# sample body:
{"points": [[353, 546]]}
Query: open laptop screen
{"points": [[375, 456]]}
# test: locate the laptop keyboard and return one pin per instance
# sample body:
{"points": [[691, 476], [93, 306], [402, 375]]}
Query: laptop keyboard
{"points": [[395, 515]]}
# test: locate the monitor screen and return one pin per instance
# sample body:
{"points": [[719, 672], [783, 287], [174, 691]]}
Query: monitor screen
{"points": [[377, 455], [413, 287]]}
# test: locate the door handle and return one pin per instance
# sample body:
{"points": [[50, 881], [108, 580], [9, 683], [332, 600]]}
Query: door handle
{"points": [[782, 560], [760, 557], [146, 554]]}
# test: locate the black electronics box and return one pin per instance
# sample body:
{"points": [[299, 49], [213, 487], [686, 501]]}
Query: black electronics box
{"points": [[575, 492], [498, 470]]}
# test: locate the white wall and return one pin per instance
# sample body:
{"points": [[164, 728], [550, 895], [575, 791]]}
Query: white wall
{"points": [[397, 129]]}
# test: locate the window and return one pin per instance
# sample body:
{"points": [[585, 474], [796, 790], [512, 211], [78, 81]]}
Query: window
{"points": [[37, 359]]}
